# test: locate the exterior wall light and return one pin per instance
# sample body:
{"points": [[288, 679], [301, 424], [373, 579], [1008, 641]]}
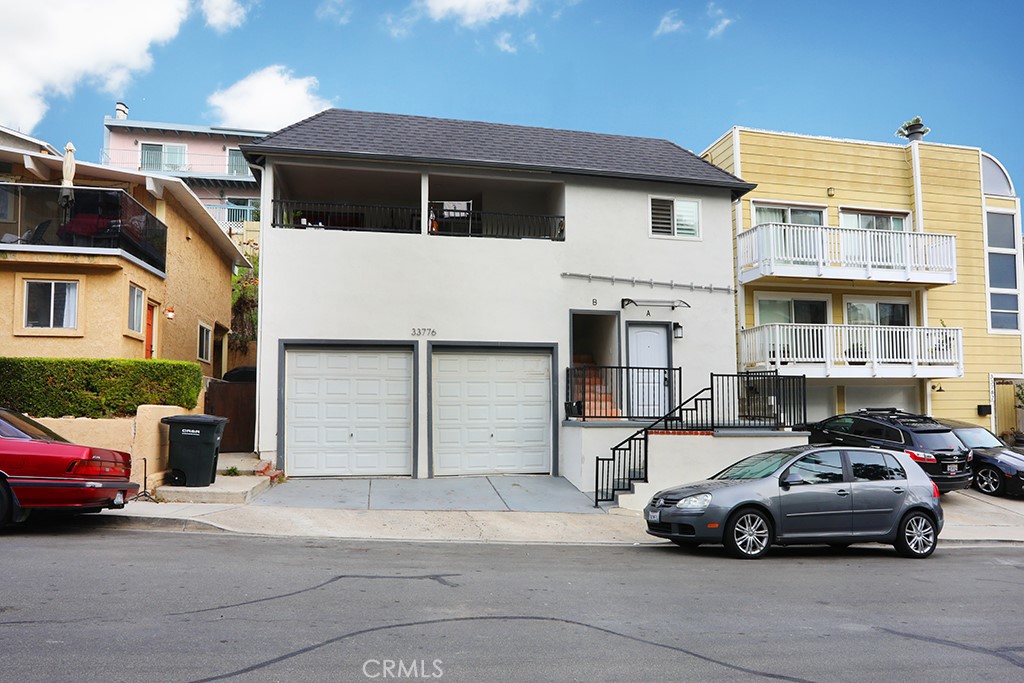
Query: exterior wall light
{"points": [[677, 330], [169, 312]]}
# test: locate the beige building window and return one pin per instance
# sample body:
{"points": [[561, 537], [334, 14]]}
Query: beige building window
{"points": [[51, 304], [136, 308], [205, 343]]}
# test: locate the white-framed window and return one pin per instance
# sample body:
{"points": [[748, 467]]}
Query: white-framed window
{"points": [[778, 307], [162, 156], [136, 308], [243, 209], [994, 179], [51, 304], [205, 343], [875, 311], [672, 217], [791, 215], [1003, 285], [237, 165], [873, 220]]}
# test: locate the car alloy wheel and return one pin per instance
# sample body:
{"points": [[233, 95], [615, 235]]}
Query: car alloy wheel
{"points": [[748, 535], [989, 480], [916, 538]]}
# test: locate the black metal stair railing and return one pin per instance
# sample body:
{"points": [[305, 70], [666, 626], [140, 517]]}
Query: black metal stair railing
{"points": [[746, 400]]}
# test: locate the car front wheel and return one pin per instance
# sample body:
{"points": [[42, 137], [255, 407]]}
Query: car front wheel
{"points": [[989, 480], [748, 534], [917, 537]]}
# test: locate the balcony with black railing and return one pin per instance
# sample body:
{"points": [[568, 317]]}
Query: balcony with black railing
{"points": [[74, 218], [442, 220]]}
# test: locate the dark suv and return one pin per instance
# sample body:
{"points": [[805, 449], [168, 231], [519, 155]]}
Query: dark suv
{"points": [[932, 445]]}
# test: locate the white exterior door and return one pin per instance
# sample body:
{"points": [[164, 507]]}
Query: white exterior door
{"points": [[348, 413], [491, 412], [648, 388]]}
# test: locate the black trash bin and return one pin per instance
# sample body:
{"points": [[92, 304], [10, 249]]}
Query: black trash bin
{"points": [[194, 447]]}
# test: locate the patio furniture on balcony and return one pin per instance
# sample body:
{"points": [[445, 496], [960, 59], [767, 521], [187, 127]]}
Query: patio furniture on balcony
{"points": [[787, 250]]}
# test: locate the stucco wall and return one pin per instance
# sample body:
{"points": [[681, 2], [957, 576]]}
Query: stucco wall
{"points": [[348, 285]]}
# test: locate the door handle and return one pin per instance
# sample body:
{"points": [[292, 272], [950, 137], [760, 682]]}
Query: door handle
{"points": [[897, 489], [842, 492]]}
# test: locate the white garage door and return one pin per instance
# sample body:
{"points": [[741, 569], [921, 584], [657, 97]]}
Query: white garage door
{"points": [[348, 413], [902, 396], [491, 413]]}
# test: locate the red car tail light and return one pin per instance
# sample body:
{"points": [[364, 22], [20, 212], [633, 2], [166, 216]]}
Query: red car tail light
{"points": [[95, 467], [935, 490], [920, 457]]}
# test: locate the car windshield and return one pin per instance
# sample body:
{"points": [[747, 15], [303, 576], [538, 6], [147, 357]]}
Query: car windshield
{"points": [[17, 426], [938, 441], [756, 466], [978, 437]]}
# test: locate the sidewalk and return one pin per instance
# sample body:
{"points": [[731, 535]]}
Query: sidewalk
{"points": [[970, 518]]}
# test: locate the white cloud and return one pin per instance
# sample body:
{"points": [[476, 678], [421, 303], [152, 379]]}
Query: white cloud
{"points": [[268, 99], [35, 68], [334, 10], [223, 15], [472, 12], [722, 22], [504, 43], [670, 23]]}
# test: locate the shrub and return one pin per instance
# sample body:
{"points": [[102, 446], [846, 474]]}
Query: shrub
{"points": [[79, 387]]}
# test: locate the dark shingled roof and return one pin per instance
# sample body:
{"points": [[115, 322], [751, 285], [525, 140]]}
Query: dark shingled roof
{"points": [[398, 137]]}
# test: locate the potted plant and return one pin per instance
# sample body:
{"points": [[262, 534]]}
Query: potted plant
{"points": [[914, 129]]}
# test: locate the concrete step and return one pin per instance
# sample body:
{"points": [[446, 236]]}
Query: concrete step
{"points": [[240, 489], [245, 463]]}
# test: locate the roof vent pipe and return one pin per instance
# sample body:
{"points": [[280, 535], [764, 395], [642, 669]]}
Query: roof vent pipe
{"points": [[120, 111]]}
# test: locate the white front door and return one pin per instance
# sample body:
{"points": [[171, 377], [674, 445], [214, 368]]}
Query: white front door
{"points": [[348, 413], [491, 412], [648, 370]]}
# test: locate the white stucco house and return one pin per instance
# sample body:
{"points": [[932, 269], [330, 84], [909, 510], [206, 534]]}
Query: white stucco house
{"points": [[444, 298]]}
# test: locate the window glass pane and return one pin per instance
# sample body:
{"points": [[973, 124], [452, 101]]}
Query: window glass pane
{"points": [[773, 311], [134, 309], [1004, 321], [65, 304], [993, 179], [38, 301], [174, 157], [686, 218], [859, 313], [809, 312], [896, 223], [1002, 271], [769, 214], [1000, 231], [867, 222], [894, 314], [848, 220], [661, 216], [819, 468], [805, 216], [840, 424], [895, 468], [1004, 302], [152, 157], [236, 163], [868, 466]]}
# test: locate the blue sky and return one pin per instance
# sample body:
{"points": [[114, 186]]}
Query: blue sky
{"points": [[685, 70]]}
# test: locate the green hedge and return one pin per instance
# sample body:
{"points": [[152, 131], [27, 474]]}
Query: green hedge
{"points": [[79, 387]]}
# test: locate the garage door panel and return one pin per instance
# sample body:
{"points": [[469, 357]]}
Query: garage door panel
{"points": [[348, 412], [481, 402]]}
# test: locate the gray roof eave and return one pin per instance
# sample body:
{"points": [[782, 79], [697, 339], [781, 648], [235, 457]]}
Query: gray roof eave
{"points": [[257, 155]]}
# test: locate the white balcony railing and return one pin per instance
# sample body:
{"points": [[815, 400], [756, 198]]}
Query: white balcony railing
{"points": [[853, 350], [786, 250], [233, 217], [187, 162]]}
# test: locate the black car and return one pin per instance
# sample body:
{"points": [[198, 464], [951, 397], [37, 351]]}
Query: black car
{"points": [[998, 468], [932, 445]]}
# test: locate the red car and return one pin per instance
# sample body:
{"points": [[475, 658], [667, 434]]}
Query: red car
{"points": [[40, 470]]}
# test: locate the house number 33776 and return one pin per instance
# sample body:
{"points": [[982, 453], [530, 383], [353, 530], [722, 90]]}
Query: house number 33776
{"points": [[424, 332]]}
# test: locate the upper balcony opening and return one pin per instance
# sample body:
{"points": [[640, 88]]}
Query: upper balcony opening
{"points": [[805, 251], [78, 218], [391, 201], [494, 207]]}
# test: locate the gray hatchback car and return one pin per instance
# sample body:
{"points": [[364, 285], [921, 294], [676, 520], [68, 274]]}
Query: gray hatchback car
{"points": [[804, 495]]}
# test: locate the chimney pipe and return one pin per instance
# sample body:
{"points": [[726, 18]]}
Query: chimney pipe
{"points": [[120, 111]]}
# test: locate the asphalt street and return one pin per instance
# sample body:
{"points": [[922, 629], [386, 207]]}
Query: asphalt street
{"points": [[84, 602]]}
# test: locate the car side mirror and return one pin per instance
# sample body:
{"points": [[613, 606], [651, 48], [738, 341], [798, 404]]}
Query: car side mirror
{"points": [[791, 479]]}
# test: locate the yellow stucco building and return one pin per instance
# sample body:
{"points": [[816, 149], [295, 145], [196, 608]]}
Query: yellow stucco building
{"points": [[888, 274], [116, 264]]}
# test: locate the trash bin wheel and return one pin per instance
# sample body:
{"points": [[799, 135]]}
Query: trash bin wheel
{"points": [[177, 478]]}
